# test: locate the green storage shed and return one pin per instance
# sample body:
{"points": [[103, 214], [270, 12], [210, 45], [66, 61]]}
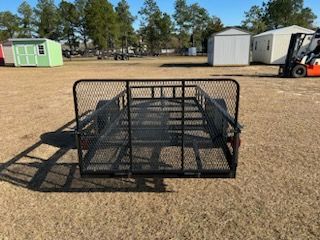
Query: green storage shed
{"points": [[36, 52]]}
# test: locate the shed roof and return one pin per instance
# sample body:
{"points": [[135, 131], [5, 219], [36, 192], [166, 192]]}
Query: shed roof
{"points": [[7, 43], [231, 31], [27, 39], [286, 30]]}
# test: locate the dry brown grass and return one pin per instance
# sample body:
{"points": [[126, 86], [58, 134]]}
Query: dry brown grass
{"points": [[275, 196]]}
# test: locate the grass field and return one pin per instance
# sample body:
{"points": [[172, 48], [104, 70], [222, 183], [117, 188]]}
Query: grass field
{"points": [[275, 195]]}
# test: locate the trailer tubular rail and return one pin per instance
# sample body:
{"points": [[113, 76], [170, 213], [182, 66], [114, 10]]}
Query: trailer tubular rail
{"points": [[166, 127]]}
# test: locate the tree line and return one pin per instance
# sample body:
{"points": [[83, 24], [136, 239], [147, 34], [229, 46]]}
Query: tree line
{"points": [[274, 14], [109, 27]]}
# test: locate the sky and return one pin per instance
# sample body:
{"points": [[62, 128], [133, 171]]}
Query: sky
{"points": [[231, 12]]}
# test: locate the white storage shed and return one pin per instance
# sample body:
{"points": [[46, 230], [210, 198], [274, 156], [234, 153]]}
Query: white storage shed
{"points": [[8, 53], [230, 47], [271, 47], [192, 51]]}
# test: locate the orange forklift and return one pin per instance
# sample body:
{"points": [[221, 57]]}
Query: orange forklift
{"points": [[298, 63]]}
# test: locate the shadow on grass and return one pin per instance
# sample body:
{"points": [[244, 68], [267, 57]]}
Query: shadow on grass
{"points": [[184, 65], [59, 172], [247, 75]]}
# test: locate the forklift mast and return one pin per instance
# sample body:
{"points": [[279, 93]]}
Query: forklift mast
{"points": [[295, 45], [296, 42]]}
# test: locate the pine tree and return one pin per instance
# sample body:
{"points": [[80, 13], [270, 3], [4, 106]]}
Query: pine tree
{"points": [[9, 25], [25, 19], [47, 19], [100, 20], [125, 21], [82, 28], [69, 22]]}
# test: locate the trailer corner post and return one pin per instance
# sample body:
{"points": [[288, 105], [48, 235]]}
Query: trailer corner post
{"points": [[236, 144], [182, 124], [77, 129], [129, 125]]}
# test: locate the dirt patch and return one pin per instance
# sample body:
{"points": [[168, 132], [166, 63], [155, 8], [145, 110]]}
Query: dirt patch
{"points": [[275, 195]]}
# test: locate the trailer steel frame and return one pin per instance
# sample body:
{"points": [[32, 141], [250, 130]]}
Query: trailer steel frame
{"points": [[165, 128]]}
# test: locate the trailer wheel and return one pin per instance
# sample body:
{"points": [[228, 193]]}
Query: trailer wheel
{"points": [[217, 122], [299, 71], [107, 116], [102, 117]]}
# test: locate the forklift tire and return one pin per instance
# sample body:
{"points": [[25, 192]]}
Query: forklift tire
{"points": [[299, 71]]}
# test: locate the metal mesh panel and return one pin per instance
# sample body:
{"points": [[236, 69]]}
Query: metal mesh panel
{"points": [[177, 127], [156, 112], [102, 126], [208, 143]]}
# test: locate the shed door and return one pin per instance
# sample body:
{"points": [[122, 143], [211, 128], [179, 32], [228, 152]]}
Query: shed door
{"points": [[26, 55]]}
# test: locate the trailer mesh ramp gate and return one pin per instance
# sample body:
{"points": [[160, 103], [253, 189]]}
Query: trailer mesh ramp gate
{"points": [[174, 128]]}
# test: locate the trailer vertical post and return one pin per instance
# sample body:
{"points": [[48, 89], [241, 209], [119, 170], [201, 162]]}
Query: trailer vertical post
{"points": [[77, 130], [129, 124], [236, 144], [182, 124]]}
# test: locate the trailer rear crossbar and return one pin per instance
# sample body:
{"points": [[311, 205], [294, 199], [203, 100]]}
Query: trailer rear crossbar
{"points": [[169, 128]]}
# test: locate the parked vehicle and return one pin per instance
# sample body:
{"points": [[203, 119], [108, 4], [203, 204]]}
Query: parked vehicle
{"points": [[301, 64], [121, 56]]}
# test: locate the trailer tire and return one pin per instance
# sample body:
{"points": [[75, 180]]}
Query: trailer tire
{"points": [[299, 71], [107, 116], [216, 121]]}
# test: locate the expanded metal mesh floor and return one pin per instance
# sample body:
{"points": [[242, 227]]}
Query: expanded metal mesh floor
{"points": [[157, 140]]}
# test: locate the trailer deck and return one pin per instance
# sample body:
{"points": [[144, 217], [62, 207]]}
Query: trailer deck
{"points": [[171, 128]]}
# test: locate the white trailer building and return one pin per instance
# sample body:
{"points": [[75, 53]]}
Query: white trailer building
{"points": [[230, 47], [271, 47]]}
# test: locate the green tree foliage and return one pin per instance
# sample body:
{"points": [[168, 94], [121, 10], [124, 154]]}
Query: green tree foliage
{"points": [[156, 27], [254, 20], [25, 19], [278, 13], [69, 18], [82, 27], [101, 23], [199, 23], [282, 13], [214, 25], [148, 11], [182, 16], [47, 19], [150, 34], [306, 18], [166, 28], [9, 25], [194, 24], [182, 19], [125, 21]]}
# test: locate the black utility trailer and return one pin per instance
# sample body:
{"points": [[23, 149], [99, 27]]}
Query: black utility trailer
{"points": [[169, 128], [121, 56]]}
